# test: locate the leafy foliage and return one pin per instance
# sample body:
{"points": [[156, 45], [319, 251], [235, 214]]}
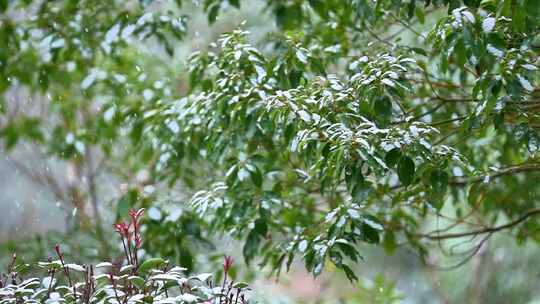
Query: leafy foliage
{"points": [[336, 132], [132, 281]]}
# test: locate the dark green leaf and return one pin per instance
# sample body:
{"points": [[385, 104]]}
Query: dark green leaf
{"points": [[439, 181], [405, 169]]}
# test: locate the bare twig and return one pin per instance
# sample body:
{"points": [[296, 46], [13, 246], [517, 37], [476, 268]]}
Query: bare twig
{"points": [[502, 172], [489, 230]]}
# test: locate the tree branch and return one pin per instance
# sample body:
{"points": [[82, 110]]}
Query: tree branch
{"points": [[502, 172], [511, 224]]}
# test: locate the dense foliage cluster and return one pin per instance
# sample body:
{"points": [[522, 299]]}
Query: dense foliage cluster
{"points": [[356, 122], [126, 281]]}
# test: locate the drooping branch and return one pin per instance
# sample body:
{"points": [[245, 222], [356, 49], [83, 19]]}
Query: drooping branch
{"points": [[502, 172], [509, 225]]}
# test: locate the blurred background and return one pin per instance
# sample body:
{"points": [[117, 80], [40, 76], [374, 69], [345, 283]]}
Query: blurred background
{"points": [[42, 202]]}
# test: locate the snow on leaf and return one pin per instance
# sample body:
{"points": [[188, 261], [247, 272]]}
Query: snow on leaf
{"points": [[243, 174], [75, 267], [109, 114], [488, 24], [388, 82], [80, 147], [88, 81], [154, 214], [71, 66], [468, 16], [148, 94], [302, 246], [29, 283], [392, 75], [6, 292], [46, 42], [58, 43], [456, 14], [173, 126], [55, 296], [372, 224], [237, 55], [103, 264], [494, 51], [304, 115], [533, 144], [363, 59], [188, 298], [177, 269], [202, 277], [145, 19], [353, 213], [120, 78], [127, 31], [301, 56], [166, 301], [333, 49], [341, 222], [47, 282], [164, 277], [112, 34], [261, 73], [70, 138], [525, 83], [330, 216], [126, 268], [529, 67]]}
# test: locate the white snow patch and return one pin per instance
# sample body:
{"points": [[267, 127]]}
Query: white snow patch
{"points": [[488, 24]]}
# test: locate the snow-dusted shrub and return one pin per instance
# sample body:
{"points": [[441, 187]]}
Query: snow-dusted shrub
{"points": [[128, 280]]}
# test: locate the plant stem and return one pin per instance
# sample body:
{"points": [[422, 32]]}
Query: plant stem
{"points": [[223, 286], [50, 283]]}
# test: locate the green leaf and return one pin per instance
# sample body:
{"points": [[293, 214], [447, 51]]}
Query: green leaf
{"points": [[420, 51], [349, 273], [411, 8], [261, 227], [383, 110], [392, 157], [405, 170], [519, 18], [419, 12], [256, 177], [320, 7], [150, 264], [137, 281], [240, 285], [251, 246], [4, 5], [439, 181], [349, 251], [21, 268], [235, 3], [371, 235], [213, 13], [288, 17]]}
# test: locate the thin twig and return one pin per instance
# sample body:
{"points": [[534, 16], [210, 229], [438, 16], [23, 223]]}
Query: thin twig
{"points": [[490, 230]]}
